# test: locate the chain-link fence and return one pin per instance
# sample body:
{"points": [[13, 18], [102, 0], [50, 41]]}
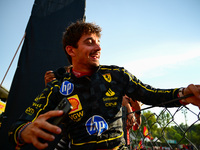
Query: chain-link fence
{"points": [[167, 130]]}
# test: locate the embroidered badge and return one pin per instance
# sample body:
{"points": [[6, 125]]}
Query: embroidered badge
{"points": [[110, 92], [76, 104], [107, 77], [76, 113], [66, 88], [29, 111], [96, 125]]}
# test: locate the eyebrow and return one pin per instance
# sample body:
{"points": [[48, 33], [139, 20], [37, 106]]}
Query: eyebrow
{"points": [[90, 38]]}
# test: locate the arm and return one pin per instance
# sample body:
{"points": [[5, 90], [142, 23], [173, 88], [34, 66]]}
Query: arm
{"points": [[155, 96], [36, 116]]}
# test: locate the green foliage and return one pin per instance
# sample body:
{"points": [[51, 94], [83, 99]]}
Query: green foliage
{"points": [[195, 134], [164, 118], [149, 120], [160, 126], [173, 134]]}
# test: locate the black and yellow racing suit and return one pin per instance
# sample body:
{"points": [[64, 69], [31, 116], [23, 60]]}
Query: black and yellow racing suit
{"points": [[95, 122]]}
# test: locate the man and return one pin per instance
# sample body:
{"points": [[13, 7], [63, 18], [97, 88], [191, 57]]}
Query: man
{"points": [[95, 93], [133, 119]]}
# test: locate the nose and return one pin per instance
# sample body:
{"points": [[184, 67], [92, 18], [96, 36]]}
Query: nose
{"points": [[97, 47]]}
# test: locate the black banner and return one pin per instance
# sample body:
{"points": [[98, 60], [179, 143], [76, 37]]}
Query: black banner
{"points": [[42, 50]]}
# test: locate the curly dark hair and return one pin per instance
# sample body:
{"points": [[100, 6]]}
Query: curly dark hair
{"points": [[74, 32]]}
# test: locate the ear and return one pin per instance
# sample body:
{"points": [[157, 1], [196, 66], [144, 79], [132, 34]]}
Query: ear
{"points": [[70, 50]]}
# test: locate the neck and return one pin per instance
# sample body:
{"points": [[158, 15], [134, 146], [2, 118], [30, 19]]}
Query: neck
{"points": [[84, 68], [78, 73]]}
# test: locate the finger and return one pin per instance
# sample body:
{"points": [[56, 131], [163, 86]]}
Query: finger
{"points": [[49, 75], [48, 126], [42, 123], [195, 89], [128, 123], [43, 134], [125, 96], [39, 145], [50, 114], [132, 120], [31, 134], [52, 128], [52, 78], [48, 72], [198, 91], [130, 116], [49, 79], [136, 105]]}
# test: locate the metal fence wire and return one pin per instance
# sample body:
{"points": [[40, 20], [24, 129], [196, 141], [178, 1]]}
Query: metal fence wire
{"points": [[164, 131]]}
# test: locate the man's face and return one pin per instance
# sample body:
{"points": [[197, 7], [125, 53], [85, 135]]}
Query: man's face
{"points": [[87, 54]]}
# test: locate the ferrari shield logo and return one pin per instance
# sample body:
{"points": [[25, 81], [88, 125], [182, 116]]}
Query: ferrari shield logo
{"points": [[107, 77]]}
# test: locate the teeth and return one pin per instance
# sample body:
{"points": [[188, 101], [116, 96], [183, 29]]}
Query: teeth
{"points": [[95, 56]]}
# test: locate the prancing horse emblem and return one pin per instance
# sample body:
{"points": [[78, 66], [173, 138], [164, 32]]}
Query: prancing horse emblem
{"points": [[107, 77]]}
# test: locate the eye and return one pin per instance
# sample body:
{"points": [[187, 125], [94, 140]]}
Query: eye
{"points": [[99, 43], [89, 42]]}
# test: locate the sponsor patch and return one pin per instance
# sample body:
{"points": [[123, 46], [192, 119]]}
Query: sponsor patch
{"points": [[96, 125], [76, 116], [29, 111], [66, 88], [76, 104], [111, 104], [110, 92], [107, 77], [42, 96], [36, 105]]}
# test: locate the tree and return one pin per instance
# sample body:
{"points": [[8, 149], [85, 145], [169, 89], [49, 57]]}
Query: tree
{"points": [[149, 120], [195, 134], [164, 118]]}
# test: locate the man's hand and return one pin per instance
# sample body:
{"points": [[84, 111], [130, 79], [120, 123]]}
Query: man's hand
{"points": [[135, 104], [131, 119], [49, 76], [36, 130], [193, 89]]}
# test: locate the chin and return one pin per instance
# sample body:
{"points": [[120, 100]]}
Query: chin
{"points": [[94, 65]]}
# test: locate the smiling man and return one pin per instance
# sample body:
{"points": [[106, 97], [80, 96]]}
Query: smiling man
{"points": [[95, 91], [85, 58]]}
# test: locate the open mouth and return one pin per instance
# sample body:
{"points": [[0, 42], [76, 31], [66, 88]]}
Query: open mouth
{"points": [[95, 56]]}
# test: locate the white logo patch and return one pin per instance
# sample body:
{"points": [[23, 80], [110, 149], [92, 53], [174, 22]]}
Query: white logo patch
{"points": [[96, 125], [66, 88]]}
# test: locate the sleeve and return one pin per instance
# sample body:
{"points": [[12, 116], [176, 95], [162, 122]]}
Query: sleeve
{"points": [[148, 94], [47, 100]]}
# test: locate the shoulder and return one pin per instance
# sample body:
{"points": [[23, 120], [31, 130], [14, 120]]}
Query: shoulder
{"points": [[115, 71], [111, 68]]}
